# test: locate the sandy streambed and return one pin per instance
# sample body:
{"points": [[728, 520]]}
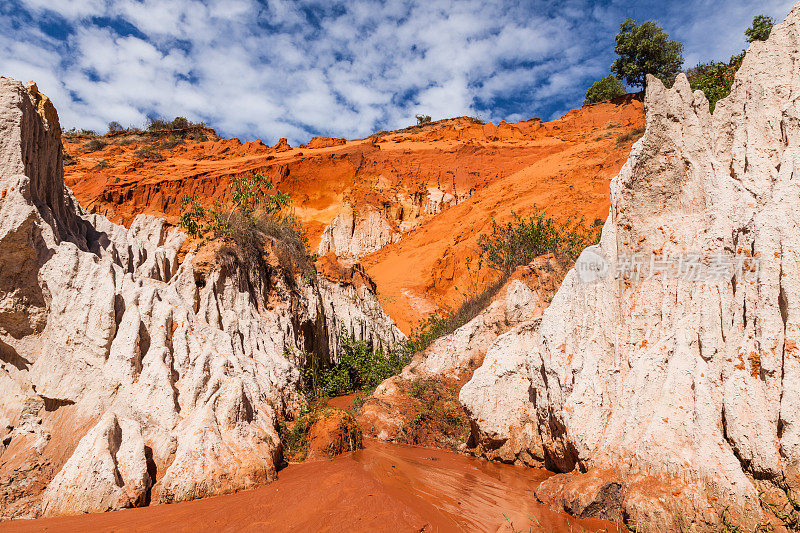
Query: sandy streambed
{"points": [[384, 487]]}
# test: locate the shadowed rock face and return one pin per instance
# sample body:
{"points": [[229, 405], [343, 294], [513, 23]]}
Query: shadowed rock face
{"points": [[126, 375], [675, 395]]}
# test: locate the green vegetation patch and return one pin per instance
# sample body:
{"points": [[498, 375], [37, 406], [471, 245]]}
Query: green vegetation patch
{"points": [[359, 367]]}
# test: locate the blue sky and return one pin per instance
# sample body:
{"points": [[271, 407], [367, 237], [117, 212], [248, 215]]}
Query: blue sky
{"points": [[276, 68]]}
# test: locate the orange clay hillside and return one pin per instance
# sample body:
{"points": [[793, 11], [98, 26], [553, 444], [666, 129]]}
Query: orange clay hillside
{"points": [[420, 196]]}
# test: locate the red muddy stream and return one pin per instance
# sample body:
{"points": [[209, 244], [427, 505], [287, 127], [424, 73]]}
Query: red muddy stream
{"points": [[384, 487]]}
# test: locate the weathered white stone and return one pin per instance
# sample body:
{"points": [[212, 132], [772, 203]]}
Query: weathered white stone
{"points": [[356, 234], [107, 471], [194, 361], [694, 383], [522, 299]]}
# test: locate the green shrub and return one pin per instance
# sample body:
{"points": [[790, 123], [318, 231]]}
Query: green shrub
{"points": [[250, 193], [73, 132], [520, 241], [761, 28], [178, 123], [423, 119], [715, 79], [252, 215], [507, 247], [645, 49], [115, 127], [438, 325], [193, 218], [295, 441], [605, 89], [359, 367], [250, 200]]}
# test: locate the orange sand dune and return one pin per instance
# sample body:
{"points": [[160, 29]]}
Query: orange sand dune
{"points": [[563, 166]]}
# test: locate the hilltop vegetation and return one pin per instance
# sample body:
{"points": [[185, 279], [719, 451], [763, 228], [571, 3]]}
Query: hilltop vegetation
{"points": [[646, 49]]}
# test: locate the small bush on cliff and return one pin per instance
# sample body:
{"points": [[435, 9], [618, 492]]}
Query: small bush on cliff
{"points": [[75, 132], [194, 216], [715, 79], [439, 325], [520, 241], [251, 193], [423, 119], [178, 123], [252, 214], [605, 89], [250, 197], [645, 49], [93, 145], [761, 28], [115, 127], [507, 247]]}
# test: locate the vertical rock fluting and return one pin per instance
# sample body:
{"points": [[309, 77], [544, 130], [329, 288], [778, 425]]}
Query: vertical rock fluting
{"points": [[353, 234], [126, 376], [679, 397]]}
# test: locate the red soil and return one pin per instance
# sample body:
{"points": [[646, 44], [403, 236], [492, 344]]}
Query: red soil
{"points": [[383, 487], [563, 166]]}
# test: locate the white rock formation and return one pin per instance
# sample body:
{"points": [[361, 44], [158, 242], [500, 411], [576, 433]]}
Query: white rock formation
{"points": [[185, 364], [356, 234], [107, 471], [522, 299], [438, 200], [678, 393], [456, 355]]}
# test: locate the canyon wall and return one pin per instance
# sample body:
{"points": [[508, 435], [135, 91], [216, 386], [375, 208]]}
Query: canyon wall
{"points": [[452, 358], [673, 399], [133, 370], [356, 233], [410, 203]]}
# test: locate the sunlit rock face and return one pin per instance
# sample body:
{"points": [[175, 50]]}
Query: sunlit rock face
{"points": [[678, 396], [357, 233], [130, 372]]}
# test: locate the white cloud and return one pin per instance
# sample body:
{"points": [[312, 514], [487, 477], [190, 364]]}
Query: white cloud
{"points": [[296, 68], [69, 9]]}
